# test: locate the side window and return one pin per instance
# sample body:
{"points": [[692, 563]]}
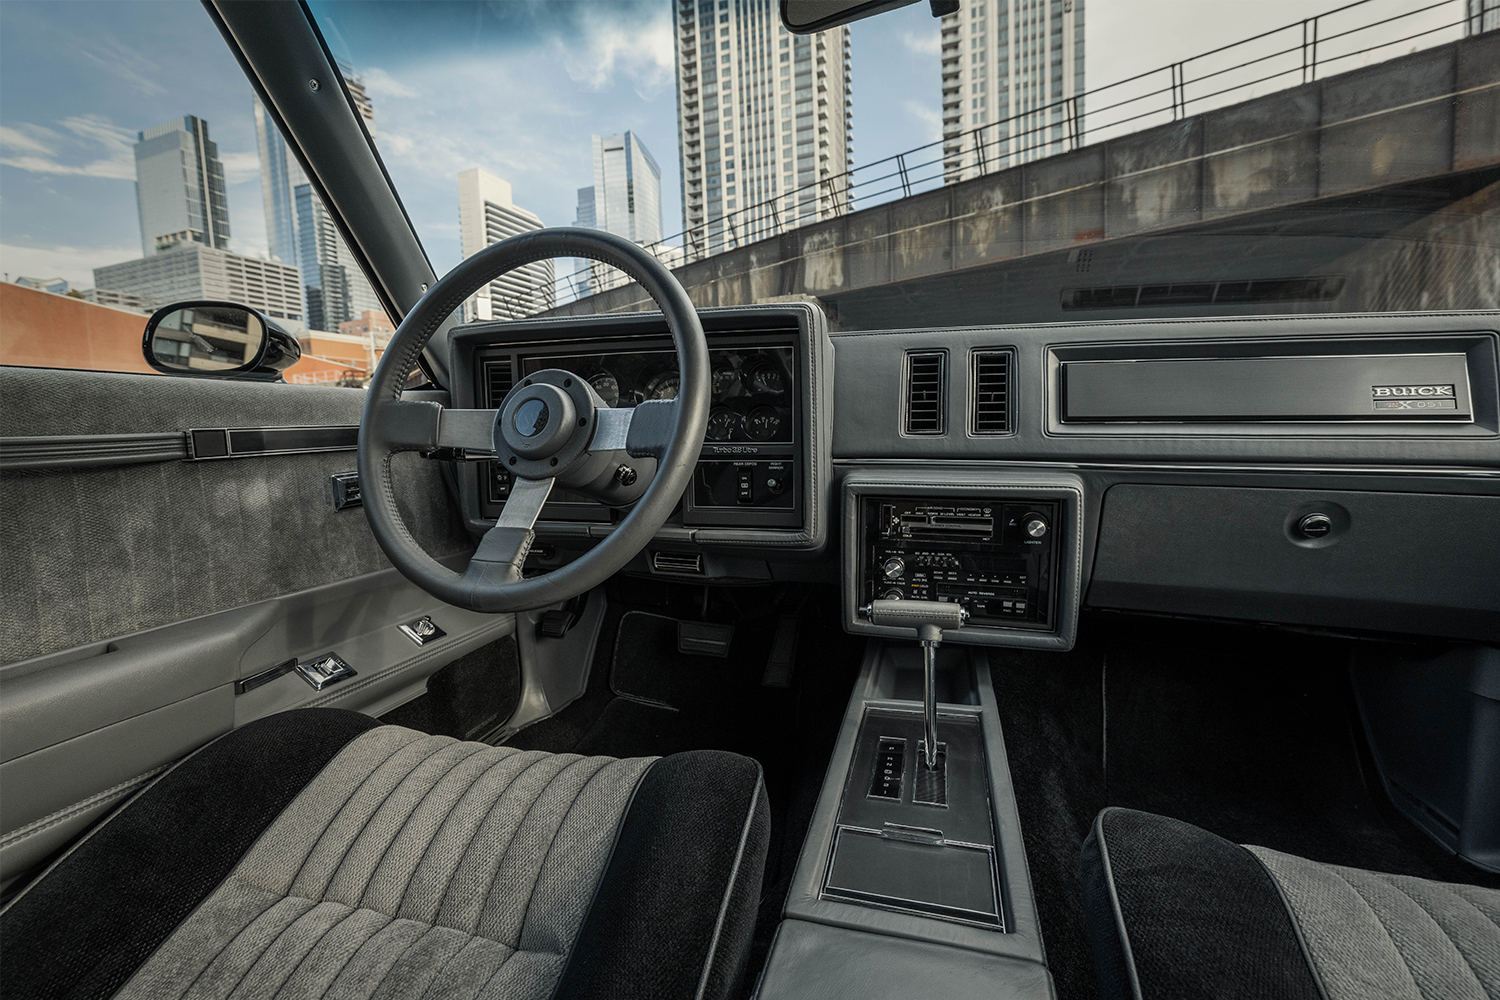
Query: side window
{"points": [[131, 181]]}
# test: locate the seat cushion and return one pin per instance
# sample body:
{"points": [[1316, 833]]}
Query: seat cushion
{"points": [[317, 854], [1175, 911]]}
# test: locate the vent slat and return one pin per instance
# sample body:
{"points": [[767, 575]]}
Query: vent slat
{"points": [[498, 378], [990, 395], [926, 391]]}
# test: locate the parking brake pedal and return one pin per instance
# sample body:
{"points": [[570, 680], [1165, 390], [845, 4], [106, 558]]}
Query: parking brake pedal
{"points": [[704, 639], [554, 624]]}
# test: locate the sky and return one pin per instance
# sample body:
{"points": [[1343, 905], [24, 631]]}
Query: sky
{"points": [[515, 87]]}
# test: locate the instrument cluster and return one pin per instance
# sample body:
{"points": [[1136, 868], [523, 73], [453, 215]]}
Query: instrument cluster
{"points": [[752, 387]]}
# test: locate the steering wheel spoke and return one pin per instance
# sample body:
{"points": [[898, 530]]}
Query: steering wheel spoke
{"points": [[642, 431], [425, 426], [503, 549]]}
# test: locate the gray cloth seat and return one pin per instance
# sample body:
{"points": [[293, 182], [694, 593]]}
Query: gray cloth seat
{"points": [[1175, 911], [318, 854]]}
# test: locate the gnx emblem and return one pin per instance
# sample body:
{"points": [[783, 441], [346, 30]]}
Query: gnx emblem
{"points": [[1412, 391]]}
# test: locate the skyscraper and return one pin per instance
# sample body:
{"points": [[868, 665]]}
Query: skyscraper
{"points": [[763, 119], [486, 214], [625, 199], [280, 174], [301, 233], [179, 187], [1012, 69]]}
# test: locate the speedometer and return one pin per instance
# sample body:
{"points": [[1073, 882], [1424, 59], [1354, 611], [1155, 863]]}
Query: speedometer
{"points": [[607, 386]]}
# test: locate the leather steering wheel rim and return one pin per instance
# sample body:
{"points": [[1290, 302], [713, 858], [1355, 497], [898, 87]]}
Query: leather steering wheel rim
{"points": [[492, 582]]}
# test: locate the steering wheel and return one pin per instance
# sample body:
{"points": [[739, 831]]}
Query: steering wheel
{"points": [[552, 427]]}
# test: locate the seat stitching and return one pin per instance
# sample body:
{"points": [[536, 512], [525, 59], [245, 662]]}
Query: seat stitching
{"points": [[437, 977], [351, 841], [246, 971], [427, 851], [287, 974], [1384, 930], [552, 844], [209, 964], [1307, 956], [355, 790], [729, 886], [1452, 943], [411, 815], [357, 948], [1114, 899], [511, 843]]}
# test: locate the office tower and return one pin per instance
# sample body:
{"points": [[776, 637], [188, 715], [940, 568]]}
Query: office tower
{"points": [[625, 199], [280, 174], [333, 283], [764, 123], [361, 97], [1012, 76], [191, 271], [300, 232], [1483, 15], [179, 187], [486, 214]]}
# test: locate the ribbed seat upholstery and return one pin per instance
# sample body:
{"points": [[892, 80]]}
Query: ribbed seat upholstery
{"points": [[1175, 911], [414, 866]]}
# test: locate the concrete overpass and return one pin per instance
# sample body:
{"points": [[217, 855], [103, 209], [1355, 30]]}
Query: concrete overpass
{"points": [[1382, 180]]}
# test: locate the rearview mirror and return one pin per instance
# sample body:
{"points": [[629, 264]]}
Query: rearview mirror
{"points": [[217, 338], [803, 17]]}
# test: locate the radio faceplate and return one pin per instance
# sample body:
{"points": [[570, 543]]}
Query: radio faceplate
{"points": [[997, 557]]}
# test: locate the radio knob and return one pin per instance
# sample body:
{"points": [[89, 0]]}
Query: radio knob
{"points": [[893, 567], [1036, 526], [891, 595]]}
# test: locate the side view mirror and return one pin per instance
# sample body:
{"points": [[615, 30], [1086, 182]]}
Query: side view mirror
{"points": [[218, 339], [803, 17]]}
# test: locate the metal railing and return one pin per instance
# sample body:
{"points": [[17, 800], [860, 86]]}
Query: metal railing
{"points": [[1289, 56]]}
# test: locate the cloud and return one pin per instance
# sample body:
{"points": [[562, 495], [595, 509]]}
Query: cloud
{"points": [[642, 53], [73, 263], [928, 115], [47, 151], [239, 167], [122, 61], [379, 83], [923, 43]]}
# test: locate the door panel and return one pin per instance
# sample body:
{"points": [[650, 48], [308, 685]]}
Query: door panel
{"points": [[134, 596]]}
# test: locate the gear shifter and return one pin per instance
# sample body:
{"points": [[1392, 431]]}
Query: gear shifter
{"points": [[929, 619]]}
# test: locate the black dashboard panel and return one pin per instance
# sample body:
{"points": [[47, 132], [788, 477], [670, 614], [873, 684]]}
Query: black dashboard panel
{"points": [[762, 475]]}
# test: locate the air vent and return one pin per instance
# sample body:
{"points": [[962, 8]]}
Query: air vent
{"points": [[498, 379], [926, 391], [677, 562], [1203, 293], [989, 392]]}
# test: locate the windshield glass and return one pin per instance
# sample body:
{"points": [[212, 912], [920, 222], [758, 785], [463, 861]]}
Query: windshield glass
{"points": [[1016, 161]]}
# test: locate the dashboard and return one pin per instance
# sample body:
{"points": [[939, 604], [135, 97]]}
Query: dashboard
{"points": [[1337, 472]]}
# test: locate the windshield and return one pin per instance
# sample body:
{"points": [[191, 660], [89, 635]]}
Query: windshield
{"points": [[1017, 161]]}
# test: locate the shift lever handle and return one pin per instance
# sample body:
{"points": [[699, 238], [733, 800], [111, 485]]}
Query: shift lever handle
{"points": [[928, 618]]}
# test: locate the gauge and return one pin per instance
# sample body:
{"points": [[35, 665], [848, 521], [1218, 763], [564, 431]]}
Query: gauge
{"points": [[764, 377], [725, 378], [722, 423], [762, 423], [607, 386], [663, 386]]}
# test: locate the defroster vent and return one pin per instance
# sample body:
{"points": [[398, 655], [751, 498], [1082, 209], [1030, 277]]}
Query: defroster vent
{"points": [[498, 380], [989, 391], [926, 392]]}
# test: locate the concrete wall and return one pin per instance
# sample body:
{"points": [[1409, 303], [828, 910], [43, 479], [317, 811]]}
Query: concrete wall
{"points": [[1421, 115]]}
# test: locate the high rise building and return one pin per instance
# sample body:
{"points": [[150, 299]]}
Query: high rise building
{"points": [[625, 199], [1012, 76], [764, 122], [179, 187], [335, 287], [300, 232], [361, 97], [1483, 15], [280, 175], [192, 271], [486, 214]]}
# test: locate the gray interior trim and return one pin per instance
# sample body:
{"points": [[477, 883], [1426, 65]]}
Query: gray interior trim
{"points": [[89, 451], [812, 961], [1022, 940]]}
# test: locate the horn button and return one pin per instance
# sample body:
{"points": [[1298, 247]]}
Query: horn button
{"points": [[538, 421]]}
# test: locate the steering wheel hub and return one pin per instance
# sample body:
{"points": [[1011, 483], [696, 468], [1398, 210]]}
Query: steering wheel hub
{"points": [[539, 419]]}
